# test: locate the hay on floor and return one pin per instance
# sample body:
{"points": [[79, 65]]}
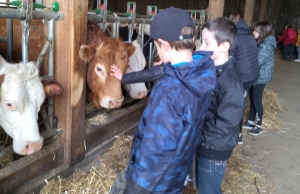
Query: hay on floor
{"points": [[99, 179], [239, 176], [272, 106], [7, 159]]}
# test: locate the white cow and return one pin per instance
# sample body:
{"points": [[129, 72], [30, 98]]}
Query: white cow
{"points": [[198, 44], [21, 95], [137, 62]]}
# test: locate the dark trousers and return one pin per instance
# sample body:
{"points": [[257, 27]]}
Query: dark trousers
{"points": [[256, 106], [246, 86], [288, 51]]}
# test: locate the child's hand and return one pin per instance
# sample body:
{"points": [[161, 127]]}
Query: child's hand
{"points": [[116, 72]]}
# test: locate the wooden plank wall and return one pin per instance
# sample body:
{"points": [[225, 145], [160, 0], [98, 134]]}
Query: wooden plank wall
{"points": [[70, 72]]}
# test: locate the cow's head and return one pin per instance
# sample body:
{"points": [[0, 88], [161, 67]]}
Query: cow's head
{"points": [[21, 95], [100, 55], [137, 62]]}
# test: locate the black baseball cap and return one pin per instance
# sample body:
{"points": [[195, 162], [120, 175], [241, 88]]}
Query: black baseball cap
{"points": [[168, 23]]}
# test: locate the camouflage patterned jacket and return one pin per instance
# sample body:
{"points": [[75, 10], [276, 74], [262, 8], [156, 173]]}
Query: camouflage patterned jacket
{"points": [[166, 138]]}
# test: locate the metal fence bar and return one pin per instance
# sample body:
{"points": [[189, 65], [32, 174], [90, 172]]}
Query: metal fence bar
{"points": [[96, 18], [36, 14], [51, 66], [9, 39]]}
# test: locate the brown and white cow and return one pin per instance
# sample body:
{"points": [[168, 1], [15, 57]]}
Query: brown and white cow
{"points": [[21, 96], [101, 52]]}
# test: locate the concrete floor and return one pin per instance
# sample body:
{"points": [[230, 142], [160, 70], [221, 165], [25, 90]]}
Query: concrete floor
{"points": [[276, 154]]}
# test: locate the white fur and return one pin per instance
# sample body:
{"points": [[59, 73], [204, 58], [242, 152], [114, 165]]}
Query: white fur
{"points": [[137, 62], [23, 90], [198, 44]]}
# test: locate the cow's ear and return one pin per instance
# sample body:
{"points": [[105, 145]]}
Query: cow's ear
{"points": [[130, 48], [52, 88], [2, 60], [2, 79], [86, 53]]}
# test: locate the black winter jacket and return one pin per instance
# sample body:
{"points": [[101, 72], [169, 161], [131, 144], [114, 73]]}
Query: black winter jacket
{"points": [[245, 53], [151, 74], [221, 126]]}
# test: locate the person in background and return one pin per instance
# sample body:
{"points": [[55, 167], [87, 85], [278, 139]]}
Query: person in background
{"points": [[165, 140], [289, 38], [280, 44], [298, 46], [245, 54], [266, 44], [221, 125]]}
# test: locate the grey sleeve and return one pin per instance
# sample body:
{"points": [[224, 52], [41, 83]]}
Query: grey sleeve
{"points": [[146, 75]]}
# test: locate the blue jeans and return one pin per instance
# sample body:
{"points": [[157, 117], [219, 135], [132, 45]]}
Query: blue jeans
{"points": [[298, 48], [210, 175]]}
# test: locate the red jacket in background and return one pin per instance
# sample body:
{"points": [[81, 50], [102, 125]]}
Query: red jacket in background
{"points": [[286, 39]]}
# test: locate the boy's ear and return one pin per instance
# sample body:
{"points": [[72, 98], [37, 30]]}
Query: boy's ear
{"points": [[225, 46], [164, 44]]}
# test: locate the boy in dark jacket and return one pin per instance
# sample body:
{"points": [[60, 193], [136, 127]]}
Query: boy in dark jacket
{"points": [[245, 54], [165, 141], [221, 125]]}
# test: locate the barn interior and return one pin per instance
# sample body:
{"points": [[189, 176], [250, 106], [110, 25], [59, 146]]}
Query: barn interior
{"points": [[76, 132]]}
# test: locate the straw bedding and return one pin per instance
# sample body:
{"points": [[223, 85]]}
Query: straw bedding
{"points": [[239, 176]]}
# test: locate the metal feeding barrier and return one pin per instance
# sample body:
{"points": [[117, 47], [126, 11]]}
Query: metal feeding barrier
{"points": [[101, 15], [26, 11]]}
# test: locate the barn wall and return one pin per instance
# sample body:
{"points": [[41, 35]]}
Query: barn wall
{"points": [[278, 12], [289, 13]]}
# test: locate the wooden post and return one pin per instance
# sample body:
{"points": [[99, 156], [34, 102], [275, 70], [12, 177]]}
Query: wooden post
{"points": [[249, 10], [263, 10], [215, 8], [70, 71]]}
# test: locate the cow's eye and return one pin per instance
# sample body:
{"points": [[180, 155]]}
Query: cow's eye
{"points": [[9, 106], [98, 68]]}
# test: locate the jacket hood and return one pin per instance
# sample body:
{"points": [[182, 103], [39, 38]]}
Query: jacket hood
{"points": [[271, 40], [242, 28], [198, 76]]}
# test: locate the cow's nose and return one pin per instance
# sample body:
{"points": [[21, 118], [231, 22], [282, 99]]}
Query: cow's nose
{"points": [[32, 148], [142, 94], [114, 104]]}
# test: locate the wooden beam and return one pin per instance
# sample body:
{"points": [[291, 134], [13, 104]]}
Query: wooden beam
{"points": [[70, 71], [216, 8], [263, 10], [105, 126], [249, 10], [31, 170]]}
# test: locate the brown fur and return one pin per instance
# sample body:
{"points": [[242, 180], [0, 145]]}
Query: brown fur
{"points": [[35, 43]]}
